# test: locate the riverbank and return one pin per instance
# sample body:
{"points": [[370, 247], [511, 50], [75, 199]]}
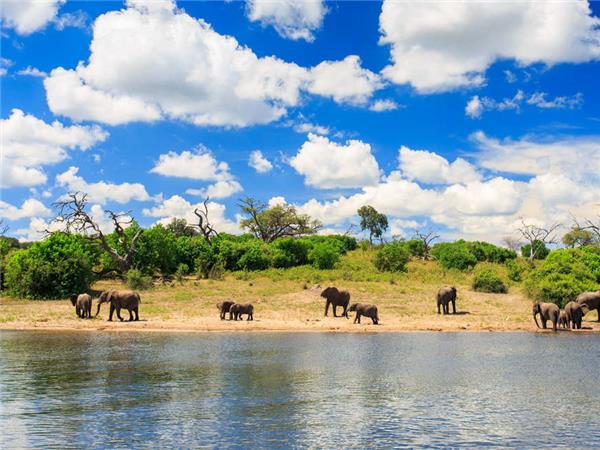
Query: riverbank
{"points": [[281, 304]]}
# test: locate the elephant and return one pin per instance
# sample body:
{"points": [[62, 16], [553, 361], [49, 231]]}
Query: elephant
{"points": [[224, 307], [129, 300], [547, 311], [446, 295], [574, 313], [364, 310], [589, 301], [236, 310], [563, 319], [336, 298], [83, 305]]}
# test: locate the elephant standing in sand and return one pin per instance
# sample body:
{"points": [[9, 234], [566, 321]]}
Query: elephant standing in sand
{"points": [[589, 301], [336, 298], [224, 308], [83, 305], [128, 300], [574, 313], [547, 311], [445, 296], [365, 310], [563, 319]]}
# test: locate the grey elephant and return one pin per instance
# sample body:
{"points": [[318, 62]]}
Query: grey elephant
{"points": [[547, 311], [364, 310], [224, 308], [118, 300], [574, 313], [83, 305], [236, 310], [445, 296], [336, 298], [563, 320], [589, 301]]}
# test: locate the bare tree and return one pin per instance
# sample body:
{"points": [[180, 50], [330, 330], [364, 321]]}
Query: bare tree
{"points": [[204, 225], [72, 213], [3, 227], [535, 234], [512, 243], [588, 225], [426, 238]]}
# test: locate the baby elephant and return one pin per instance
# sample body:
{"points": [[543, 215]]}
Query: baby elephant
{"points": [[83, 305], [563, 319], [224, 307], [365, 310], [236, 310]]}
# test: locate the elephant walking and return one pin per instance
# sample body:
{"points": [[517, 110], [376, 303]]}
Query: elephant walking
{"points": [[224, 308], [589, 301], [574, 313], [547, 311], [118, 300], [365, 310], [83, 305], [336, 298], [445, 296], [236, 310]]}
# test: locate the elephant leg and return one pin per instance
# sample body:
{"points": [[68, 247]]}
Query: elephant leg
{"points": [[544, 323], [130, 315], [358, 317], [346, 311], [334, 307], [137, 313], [77, 311], [326, 307], [453, 306], [118, 310], [110, 314]]}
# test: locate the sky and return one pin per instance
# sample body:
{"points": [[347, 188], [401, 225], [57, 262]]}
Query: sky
{"points": [[460, 117]]}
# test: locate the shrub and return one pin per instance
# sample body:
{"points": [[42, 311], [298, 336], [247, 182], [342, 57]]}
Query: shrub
{"points": [[542, 250], [156, 252], [564, 274], [255, 257], [137, 280], [393, 257], [486, 280], [289, 252], [53, 268], [454, 256], [324, 255], [415, 247], [518, 269], [181, 272]]}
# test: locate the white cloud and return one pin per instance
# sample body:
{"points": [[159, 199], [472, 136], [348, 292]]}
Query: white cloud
{"points": [[29, 143], [345, 81], [77, 19], [36, 229], [29, 208], [326, 164], [259, 163], [431, 168], [5, 63], [292, 19], [384, 105], [510, 76], [476, 105], [563, 102], [220, 189], [307, 127], [178, 207], [276, 201], [492, 197], [446, 45], [197, 164], [102, 192], [28, 16], [32, 72]]}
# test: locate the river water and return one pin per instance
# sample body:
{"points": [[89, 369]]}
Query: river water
{"points": [[270, 390]]}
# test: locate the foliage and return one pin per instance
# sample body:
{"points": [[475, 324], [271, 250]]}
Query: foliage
{"points": [[137, 280], [488, 280], [372, 221], [415, 247], [255, 257], [156, 252], [53, 268], [181, 272], [393, 257], [324, 255], [180, 227], [454, 256], [564, 274], [518, 269], [541, 250], [289, 252], [578, 237]]}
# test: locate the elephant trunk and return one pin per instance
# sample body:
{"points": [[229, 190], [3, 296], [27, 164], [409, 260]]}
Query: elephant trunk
{"points": [[98, 310], [535, 318]]}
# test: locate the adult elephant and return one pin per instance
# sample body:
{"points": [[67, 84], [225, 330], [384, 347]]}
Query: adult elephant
{"points": [[445, 296], [547, 311], [574, 313], [336, 298], [224, 308], [589, 301], [365, 310], [83, 305], [236, 310], [128, 300]]}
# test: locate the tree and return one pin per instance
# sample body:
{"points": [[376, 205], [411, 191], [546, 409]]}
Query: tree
{"points": [[512, 242], [588, 225], [204, 225], [180, 227], [72, 213], [373, 221], [578, 237], [535, 235], [270, 223], [426, 238]]}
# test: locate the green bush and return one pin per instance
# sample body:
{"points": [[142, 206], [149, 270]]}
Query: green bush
{"points": [[487, 280], [137, 280], [415, 247], [518, 269], [181, 272], [542, 250], [454, 256], [156, 252], [255, 257], [393, 257], [53, 268], [324, 255], [564, 274], [289, 252]]}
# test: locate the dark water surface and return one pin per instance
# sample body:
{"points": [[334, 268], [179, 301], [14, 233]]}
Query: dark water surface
{"points": [[115, 390]]}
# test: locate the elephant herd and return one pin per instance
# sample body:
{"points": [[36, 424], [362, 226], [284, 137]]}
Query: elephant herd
{"points": [[118, 300], [572, 315]]}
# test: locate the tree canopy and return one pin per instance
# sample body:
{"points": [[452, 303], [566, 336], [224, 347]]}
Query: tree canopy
{"points": [[372, 221]]}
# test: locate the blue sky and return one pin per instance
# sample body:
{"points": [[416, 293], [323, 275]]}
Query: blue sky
{"points": [[459, 117]]}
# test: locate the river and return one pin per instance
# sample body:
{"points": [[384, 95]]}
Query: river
{"points": [[282, 390]]}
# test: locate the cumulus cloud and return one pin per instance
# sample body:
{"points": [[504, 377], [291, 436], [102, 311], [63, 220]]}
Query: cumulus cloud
{"points": [[220, 189], [259, 163], [32, 72], [5, 63], [431, 168], [28, 16], [384, 105], [29, 208], [446, 45], [292, 19], [178, 207], [29, 143], [102, 192], [196, 164], [307, 127], [154, 61], [326, 164]]}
